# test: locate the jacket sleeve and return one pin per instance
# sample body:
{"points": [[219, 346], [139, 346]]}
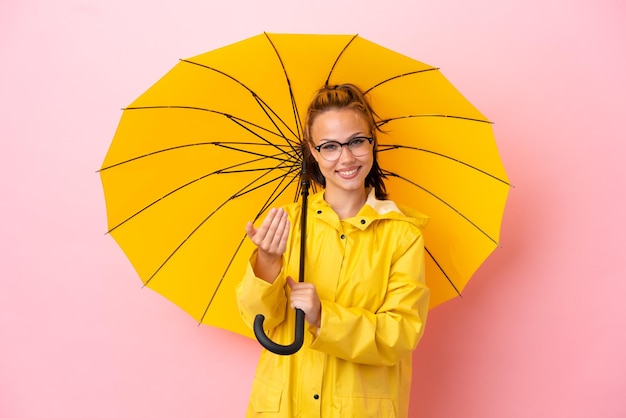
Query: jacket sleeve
{"points": [[383, 337], [256, 296]]}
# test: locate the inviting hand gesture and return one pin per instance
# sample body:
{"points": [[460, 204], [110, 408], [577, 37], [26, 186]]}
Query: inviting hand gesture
{"points": [[271, 241]]}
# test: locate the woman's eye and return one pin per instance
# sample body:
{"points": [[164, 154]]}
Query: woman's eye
{"points": [[356, 142], [329, 147]]}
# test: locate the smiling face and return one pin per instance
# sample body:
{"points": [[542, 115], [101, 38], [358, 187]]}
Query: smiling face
{"points": [[347, 174]]}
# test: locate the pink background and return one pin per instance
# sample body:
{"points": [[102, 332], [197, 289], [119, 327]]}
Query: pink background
{"points": [[541, 330]]}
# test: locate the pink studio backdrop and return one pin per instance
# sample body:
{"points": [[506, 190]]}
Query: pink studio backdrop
{"points": [[540, 329]]}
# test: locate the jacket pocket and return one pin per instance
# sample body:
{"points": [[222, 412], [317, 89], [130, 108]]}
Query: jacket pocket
{"points": [[264, 397]]}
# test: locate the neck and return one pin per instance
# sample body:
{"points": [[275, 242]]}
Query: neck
{"points": [[346, 205]]}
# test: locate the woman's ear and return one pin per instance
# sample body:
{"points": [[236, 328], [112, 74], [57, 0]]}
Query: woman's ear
{"points": [[313, 151]]}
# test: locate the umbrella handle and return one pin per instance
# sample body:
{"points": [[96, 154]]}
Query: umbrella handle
{"points": [[275, 348]]}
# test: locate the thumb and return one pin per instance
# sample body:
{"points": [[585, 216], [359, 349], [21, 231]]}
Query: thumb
{"points": [[290, 281], [250, 230]]}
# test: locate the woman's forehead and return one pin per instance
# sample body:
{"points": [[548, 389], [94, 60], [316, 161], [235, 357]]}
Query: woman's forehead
{"points": [[338, 125]]}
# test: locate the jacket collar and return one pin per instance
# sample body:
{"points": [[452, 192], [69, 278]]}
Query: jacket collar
{"points": [[372, 211]]}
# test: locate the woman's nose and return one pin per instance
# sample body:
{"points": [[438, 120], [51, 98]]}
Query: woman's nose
{"points": [[345, 155]]}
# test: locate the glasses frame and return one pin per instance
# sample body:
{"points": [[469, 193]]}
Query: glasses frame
{"points": [[318, 148]]}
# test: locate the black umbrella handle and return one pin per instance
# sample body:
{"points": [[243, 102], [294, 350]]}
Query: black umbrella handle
{"points": [[283, 350]]}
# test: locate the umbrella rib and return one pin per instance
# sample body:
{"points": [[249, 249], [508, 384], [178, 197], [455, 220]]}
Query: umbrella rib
{"points": [[392, 174], [294, 107], [217, 143], [432, 115], [258, 99], [273, 196], [265, 108], [289, 142], [226, 170], [232, 146], [332, 68], [432, 257], [246, 190], [237, 194], [221, 280], [400, 76], [391, 147], [237, 120], [410, 73]]}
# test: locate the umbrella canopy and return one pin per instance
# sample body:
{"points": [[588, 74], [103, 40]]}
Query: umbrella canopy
{"points": [[215, 143]]}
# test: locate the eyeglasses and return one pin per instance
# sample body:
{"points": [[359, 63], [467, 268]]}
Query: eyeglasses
{"points": [[358, 146]]}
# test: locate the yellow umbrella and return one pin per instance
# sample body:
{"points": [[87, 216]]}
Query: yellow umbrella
{"points": [[215, 143]]}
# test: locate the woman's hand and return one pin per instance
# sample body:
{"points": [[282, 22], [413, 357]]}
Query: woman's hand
{"points": [[271, 241], [304, 296]]}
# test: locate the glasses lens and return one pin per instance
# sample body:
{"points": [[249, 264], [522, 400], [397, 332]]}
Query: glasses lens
{"points": [[330, 151], [359, 146]]}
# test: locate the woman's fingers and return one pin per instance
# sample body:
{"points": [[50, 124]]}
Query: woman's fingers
{"points": [[273, 233], [250, 230], [304, 296], [277, 229]]}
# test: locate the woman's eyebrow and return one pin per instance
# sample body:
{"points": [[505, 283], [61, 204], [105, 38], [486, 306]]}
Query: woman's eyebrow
{"points": [[354, 135]]}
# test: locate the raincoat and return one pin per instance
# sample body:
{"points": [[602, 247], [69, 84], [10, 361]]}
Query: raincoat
{"points": [[369, 274]]}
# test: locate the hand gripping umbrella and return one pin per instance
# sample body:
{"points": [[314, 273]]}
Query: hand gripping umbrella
{"points": [[216, 142]]}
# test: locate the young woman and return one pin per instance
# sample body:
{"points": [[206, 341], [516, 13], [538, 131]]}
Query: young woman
{"points": [[364, 297]]}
